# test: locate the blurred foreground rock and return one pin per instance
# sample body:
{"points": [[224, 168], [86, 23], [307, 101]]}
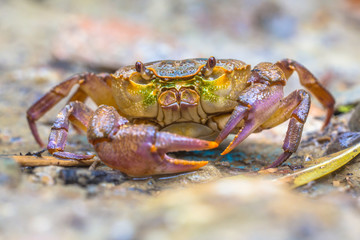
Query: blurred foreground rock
{"points": [[232, 208], [239, 208]]}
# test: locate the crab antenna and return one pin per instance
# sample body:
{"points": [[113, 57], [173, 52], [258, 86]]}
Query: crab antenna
{"points": [[209, 67], [140, 68]]}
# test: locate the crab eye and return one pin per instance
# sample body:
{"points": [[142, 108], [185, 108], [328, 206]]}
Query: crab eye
{"points": [[209, 67], [144, 72]]}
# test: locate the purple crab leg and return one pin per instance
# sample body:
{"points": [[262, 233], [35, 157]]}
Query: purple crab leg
{"points": [[308, 80], [44, 104], [79, 96], [95, 86], [79, 113], [297, 120]]}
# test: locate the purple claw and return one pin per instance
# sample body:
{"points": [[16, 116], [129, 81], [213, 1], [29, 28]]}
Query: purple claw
{"points": [[243, 133], [169, 142], [140, 150], [238, 114], [258, 103]]}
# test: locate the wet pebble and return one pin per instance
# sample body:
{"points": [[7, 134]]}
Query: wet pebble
{"points": [[205, 174], [51, 175], [92, 190], [46, 175], [342, 141], [43, 178], [84, 177], [354, 122]]}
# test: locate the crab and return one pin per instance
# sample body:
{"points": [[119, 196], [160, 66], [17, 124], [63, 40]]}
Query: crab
{"points": [[148, 110]]}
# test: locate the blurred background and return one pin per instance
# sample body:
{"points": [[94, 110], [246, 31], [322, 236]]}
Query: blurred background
{"points": [[42, 42], [115, 33]]}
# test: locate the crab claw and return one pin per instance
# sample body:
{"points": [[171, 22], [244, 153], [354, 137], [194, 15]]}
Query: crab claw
{"points": [[238, 115], [140, 150]]}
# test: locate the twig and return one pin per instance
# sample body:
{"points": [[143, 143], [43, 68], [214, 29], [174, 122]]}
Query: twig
{"points": [[32, 161]]}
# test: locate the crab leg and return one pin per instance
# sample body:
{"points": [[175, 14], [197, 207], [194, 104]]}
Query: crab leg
{"points": [[261, 107], [308, 80], [76, 112], [79, 96], [295, 107], [45, 103], [94, 86], [140, 150]]}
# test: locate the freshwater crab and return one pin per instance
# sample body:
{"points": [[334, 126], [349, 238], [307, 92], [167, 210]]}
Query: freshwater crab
{"points": [[188, 100]]}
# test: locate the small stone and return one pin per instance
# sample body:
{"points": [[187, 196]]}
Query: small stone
{"points": [[336, 183], [52, 171], [354, 122], [84, 177], [223, 164], [92, 190], [68, 176], [44, 178], [46, 175], [204, 174], [268, 170], [342, 141]]}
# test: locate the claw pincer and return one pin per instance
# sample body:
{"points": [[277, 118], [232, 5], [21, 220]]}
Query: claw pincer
{"points": [[140, 150]]}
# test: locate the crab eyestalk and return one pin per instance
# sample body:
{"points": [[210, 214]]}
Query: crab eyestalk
{"points": [[209, 67], [145, 73]]}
